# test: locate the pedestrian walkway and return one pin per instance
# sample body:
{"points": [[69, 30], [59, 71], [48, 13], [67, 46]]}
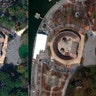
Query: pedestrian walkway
{"points": [[19, 33]]}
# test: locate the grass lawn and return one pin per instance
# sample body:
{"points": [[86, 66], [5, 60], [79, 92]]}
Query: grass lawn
{"points": [[78, 92]]}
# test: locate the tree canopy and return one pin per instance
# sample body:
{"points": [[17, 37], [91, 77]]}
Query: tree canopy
{"points": [[11, 80], [23, 51]]}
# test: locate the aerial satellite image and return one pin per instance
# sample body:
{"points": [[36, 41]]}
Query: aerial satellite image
{"points": [[64, 51], [13, 47]]}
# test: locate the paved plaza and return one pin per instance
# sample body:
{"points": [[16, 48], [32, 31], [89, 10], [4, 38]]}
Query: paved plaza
{"points": [[89, 51], [63, 16], [13, 48]]}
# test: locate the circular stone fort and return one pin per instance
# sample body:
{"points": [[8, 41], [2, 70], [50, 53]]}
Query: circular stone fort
{"points": [[66, 43], [66, 47]]}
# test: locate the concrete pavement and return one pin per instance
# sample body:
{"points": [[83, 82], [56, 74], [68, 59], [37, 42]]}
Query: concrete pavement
{"points": [[89, 51], [13, 47], [12, 51]]}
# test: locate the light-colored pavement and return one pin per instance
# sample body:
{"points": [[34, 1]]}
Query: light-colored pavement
{"points": [[19, 33], [89, 51], [12, 48], [66, 84], [12, 51]]}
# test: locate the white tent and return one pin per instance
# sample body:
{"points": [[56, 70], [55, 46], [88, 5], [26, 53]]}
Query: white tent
{"points": [[40, 44]]}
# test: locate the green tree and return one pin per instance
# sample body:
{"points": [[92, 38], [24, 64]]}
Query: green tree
{"points": [[7, 84], [18, 92], [23, 51], [25, 5], [12, 11], [95, 51]]}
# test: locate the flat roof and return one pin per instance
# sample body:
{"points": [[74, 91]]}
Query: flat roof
{"points": [[40, 44]]}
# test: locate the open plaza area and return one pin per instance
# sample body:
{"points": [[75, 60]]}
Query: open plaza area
{"points": [[70, 44]]}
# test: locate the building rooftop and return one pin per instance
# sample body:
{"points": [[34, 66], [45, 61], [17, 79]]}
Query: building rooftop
{"points": [[40, 44]]}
